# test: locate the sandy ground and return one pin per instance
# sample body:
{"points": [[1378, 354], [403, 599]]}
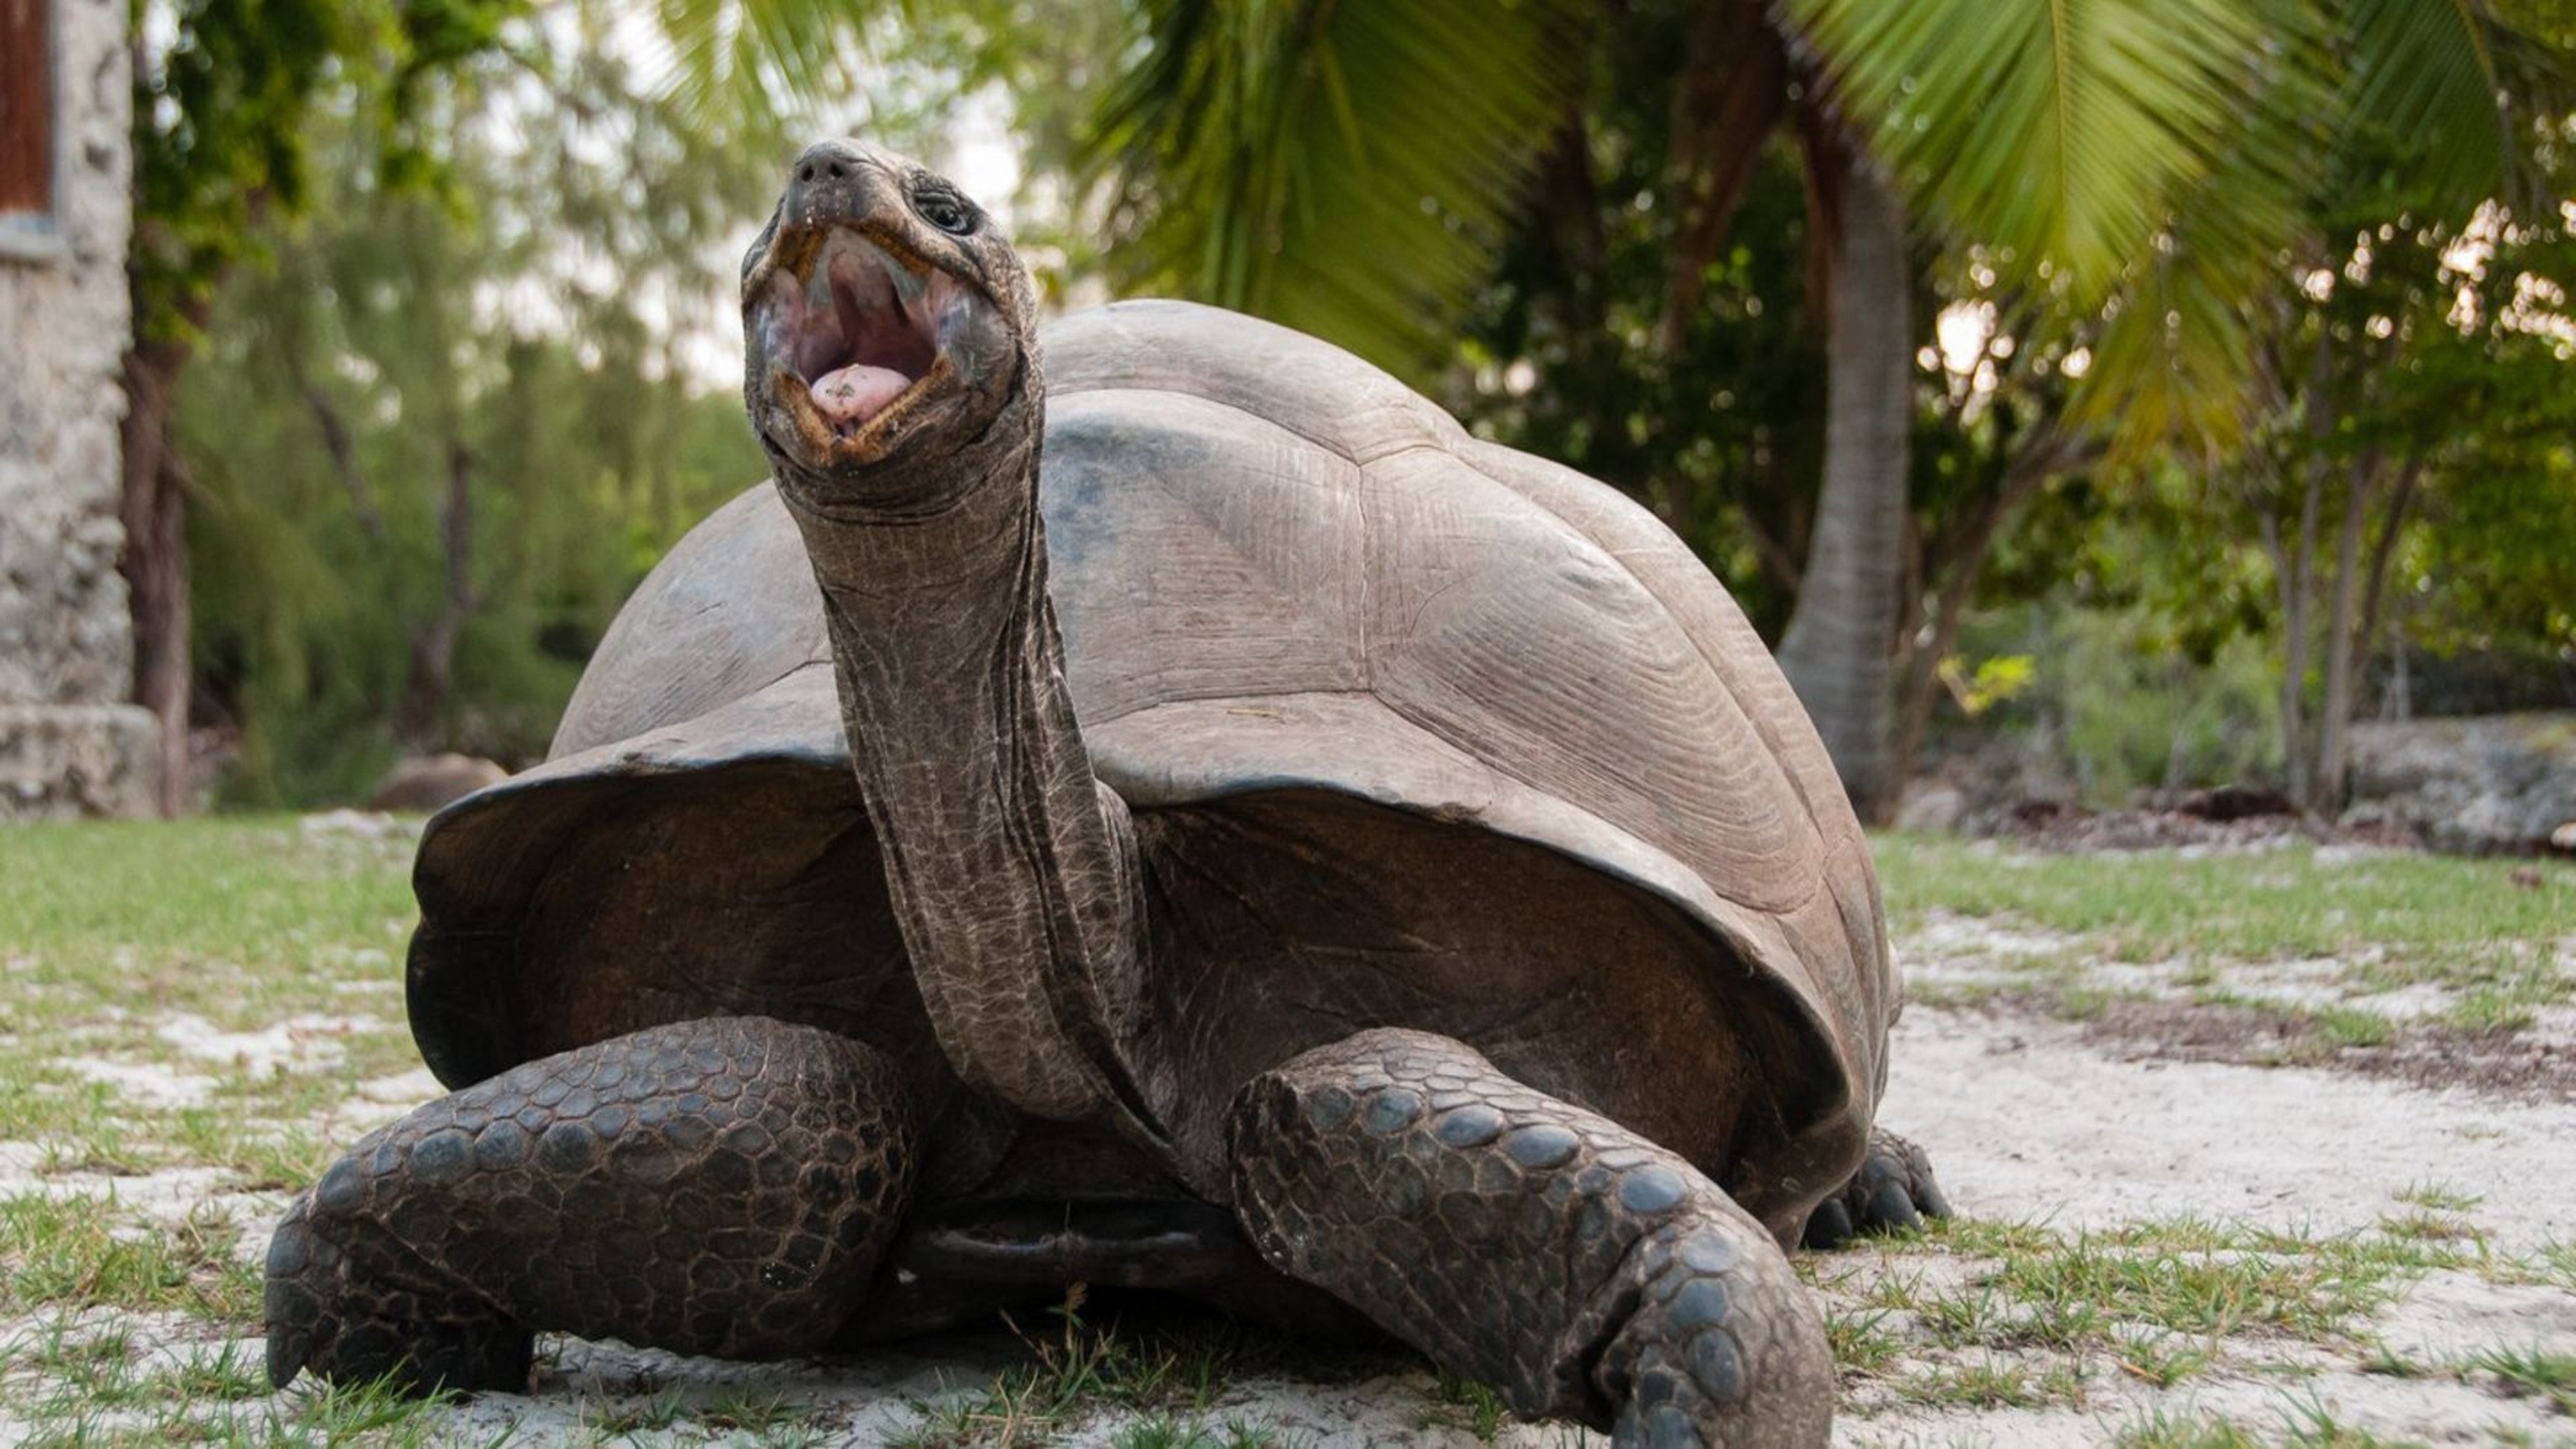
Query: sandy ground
{"points": [[2028, 1119]]}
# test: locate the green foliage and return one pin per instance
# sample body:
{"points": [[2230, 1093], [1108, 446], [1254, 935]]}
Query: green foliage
{"points": [[2057, 130], [2139, 711], [224, 114], [1343, 169], [487, 420], [1998, 680], [2182, 151], [1719, 430]]}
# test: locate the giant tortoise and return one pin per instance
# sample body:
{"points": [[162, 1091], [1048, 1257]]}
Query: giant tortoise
{"points": [[1204, 823]]}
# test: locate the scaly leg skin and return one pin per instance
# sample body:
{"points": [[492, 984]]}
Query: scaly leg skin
{"points": [[720, 1187], [1530, 1244], [1893, 1191]]}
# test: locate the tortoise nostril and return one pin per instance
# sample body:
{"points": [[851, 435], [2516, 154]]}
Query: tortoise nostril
{"points": [[805, 172], [835, 169]]}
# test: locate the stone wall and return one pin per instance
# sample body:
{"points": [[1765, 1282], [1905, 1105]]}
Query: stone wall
{"points": [[69, 744]]}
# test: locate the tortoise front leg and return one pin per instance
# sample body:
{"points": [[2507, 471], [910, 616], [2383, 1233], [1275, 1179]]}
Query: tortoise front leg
{"points": [[1529, 1243], [722, 1187]]}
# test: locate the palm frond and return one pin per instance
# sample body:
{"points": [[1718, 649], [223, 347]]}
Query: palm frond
{"points": [[2428, 71], [2176, 361], [767, 59], [1338, 165], [2063, 131]]}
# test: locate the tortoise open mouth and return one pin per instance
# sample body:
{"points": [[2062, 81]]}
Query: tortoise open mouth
{"points": [[853, 333]]}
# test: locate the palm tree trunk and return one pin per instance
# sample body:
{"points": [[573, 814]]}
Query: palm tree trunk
{"points": [[1837, 649]]}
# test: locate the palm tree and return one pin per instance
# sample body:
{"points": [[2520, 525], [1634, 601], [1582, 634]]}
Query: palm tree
{"points": [[2143, 167]]}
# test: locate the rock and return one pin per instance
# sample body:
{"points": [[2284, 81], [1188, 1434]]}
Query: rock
{"points": [[1932, 807], [62, 761], [430, 782], [2043, 814], [2563, 839], [361, 824], [2487, 784], [2236, 802]]}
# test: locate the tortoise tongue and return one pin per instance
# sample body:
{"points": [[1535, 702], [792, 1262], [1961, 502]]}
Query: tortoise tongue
{"points": [[858, 392]]}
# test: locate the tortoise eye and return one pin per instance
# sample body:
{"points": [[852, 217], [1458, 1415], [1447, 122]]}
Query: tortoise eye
{"points": [[944, 212]]}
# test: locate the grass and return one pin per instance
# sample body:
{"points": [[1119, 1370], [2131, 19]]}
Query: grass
{"points": [[71, 1252], [1468, 1405], [2345, 1026], [1862, 1341], [1165, 1432], [2277, 905], [657, 1412], [1969, 1313], [2293, 951], [1988, 1382], [1169, 1370], [113, 936], [2304, 1424], [2438, 1197], [2541, 1373]]}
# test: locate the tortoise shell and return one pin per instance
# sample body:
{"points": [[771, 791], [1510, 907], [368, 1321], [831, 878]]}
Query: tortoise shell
{"points": [[1275, 569]]}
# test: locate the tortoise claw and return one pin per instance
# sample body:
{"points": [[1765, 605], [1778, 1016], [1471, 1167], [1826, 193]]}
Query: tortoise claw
{"points": [[328, 1314]]}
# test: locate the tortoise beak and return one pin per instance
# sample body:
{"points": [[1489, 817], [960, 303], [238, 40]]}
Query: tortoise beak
{"points": [[850, 330]]}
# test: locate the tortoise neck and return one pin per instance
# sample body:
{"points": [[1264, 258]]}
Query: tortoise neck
{"points": [[1012, 869]]}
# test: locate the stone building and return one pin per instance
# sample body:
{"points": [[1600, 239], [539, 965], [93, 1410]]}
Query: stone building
{"points": [[69, 742]]}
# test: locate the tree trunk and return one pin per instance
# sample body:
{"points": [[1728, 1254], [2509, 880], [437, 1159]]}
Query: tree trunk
{"points": [[2296, 566], [2293, 565], [1836, 648], [2375, 587], [154, 510], [2343, 630], [1734, 87], [2359, 589], [433, 650], [2043, 455]]}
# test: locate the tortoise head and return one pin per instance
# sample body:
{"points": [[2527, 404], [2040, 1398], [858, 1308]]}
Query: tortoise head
{"points": [[888, 331]]}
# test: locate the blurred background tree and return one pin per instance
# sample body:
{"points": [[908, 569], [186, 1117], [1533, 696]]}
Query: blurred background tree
{"points": [[2165, 381], [2131, 176], [226, 93], [472, 385], [445, 434]]}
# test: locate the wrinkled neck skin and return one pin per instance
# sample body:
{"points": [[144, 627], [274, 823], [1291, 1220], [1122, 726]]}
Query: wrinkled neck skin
{"points": [[1012, 869]]}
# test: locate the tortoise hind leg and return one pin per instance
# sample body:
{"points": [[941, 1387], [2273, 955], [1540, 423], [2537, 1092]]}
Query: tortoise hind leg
{"points": [[1528, 1243], [723, 1187], [1893, 1191]]}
